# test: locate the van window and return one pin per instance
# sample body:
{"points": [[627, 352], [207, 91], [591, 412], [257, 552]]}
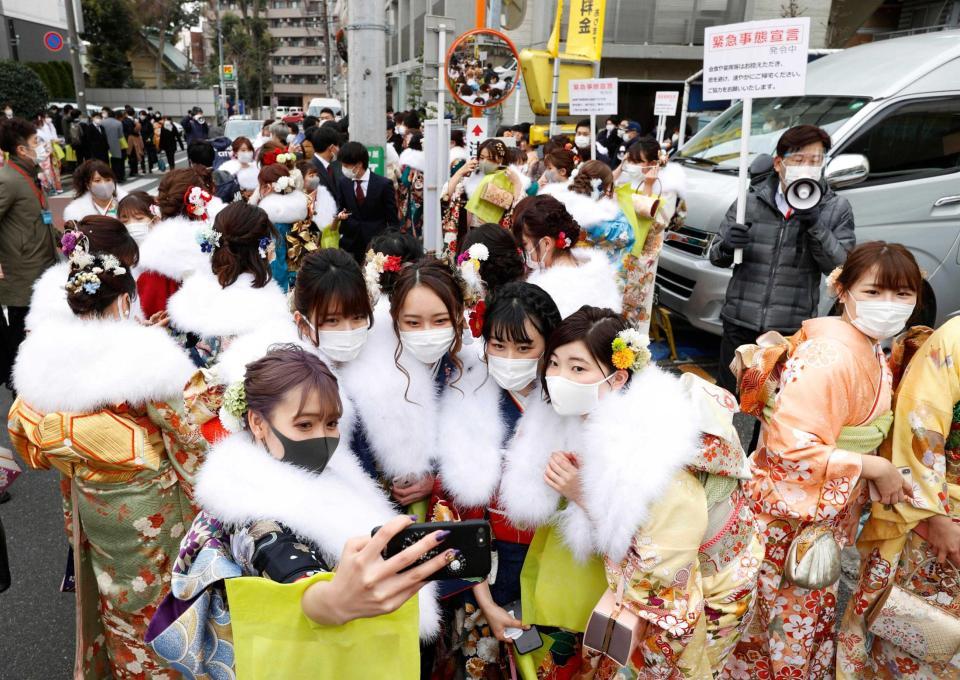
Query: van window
{"points": [[912, 140]]}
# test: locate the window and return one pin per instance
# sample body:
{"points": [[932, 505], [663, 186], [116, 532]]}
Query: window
{"points": [[913, 140]]}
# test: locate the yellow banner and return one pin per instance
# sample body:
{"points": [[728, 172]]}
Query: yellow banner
{"points": [[585, 28], [553, 44]]}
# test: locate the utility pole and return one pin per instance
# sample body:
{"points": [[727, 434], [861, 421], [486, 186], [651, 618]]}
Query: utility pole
{"points": [[327, 37], [74, 38], [221, 100], [367, 58]]}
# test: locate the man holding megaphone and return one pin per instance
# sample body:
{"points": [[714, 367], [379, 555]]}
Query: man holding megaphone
{"points": [[795, 230]]}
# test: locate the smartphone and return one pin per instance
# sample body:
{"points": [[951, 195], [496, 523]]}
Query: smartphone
{"points": [[471, 537], [524, 640]]}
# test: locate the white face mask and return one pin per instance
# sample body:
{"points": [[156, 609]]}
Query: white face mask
{"points": [[349, 173], [401, 130], [794, 172], [572, 398], [138, 229], [428, 346], [290, 138], [245, 156], [633, 171], [103, 190], [8, 113], [880, 319], [42, 153], [611, 127], [512, 374], [168, 125], [582, 141], [342, 346]]}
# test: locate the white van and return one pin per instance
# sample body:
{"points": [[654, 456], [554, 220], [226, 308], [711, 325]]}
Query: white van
{"points": [[317, 104], [280, 111], [892, 109]]}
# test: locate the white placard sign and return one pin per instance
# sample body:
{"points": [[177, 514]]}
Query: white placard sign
{"points": [[756, 59], [593, 96], [477, 133], [666, 103]]}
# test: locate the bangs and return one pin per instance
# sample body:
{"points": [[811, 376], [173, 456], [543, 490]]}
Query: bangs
{"points": [[343, 300], [327, 392], [896, 270], [508, 324]]}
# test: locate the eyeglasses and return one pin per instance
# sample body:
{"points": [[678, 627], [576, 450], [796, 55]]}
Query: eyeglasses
{"points": [[803, 159]]}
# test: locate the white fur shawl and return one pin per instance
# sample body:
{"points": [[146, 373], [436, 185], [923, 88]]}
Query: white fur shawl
{"points": [[246, 176], [83, 205], [201, 306], [630, 450], [402, 432], [457, 153], [594, 283], [585, 210], [240, 483], [324, 208], [49, 299], [673, 180], [470, 443], [171, 249], [414, 158], [83, 365], [285, 208]]}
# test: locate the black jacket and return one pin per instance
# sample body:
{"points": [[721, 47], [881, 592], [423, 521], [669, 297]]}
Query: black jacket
{"points": [[378, 212], [329, 179], [777, 287], [169, 138], [95, 143]]}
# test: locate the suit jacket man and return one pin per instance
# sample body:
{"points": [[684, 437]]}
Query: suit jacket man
{"points": [[113, 129], [375, 214], [94, 142], [330, 176]]}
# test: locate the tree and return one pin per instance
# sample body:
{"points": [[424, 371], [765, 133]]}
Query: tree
{"points": [[23, 89], [110, 28], [163, 19], [247, 43]]}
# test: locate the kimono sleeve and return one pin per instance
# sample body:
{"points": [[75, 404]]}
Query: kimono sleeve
{"points": [[617, 232], [185, 446], [800, 466], [23, 428], [662, 566]]}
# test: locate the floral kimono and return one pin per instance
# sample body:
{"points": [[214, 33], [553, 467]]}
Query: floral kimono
{"points": [[261, 517], [318, 230], [833, 379], [284, 210], [410, 191], [926, 444], [107, 419], [466, 209]]}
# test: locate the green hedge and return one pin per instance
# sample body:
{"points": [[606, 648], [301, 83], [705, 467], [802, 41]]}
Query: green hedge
{"points": [[57, 76], [23, 88]]}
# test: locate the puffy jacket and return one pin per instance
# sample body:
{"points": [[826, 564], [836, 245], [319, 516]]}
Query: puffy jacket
{"points": [[777, 287]]}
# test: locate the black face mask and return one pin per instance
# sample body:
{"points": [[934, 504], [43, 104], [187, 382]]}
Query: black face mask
{"points": [[311, 454]]}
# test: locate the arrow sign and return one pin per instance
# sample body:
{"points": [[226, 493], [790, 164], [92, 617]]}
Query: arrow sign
{"points": [[478, 133]]}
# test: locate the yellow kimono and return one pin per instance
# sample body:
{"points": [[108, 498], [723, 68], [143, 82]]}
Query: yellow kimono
{"points": [[926, 444]]}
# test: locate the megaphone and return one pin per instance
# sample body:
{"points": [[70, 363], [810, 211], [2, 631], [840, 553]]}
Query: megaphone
{"points": [[803, 194]]}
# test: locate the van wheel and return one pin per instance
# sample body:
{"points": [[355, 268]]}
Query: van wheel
{"points": [[926, 313]]}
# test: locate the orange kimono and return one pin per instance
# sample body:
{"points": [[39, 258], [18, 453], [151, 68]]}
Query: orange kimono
{"points": [[834, 378]]}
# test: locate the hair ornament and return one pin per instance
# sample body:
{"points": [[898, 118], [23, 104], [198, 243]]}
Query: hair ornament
{"points": [[595, 184], [476, 317], [283, 185], [263, 247], [374, 265], [195, 199], [155, 210], [90, 268], [832, 279], [208, 238], [283, 156], [563, 241], [631, 350], [234, 407]]}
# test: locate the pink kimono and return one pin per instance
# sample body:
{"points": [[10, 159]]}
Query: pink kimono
{"points": [[833, 379]]}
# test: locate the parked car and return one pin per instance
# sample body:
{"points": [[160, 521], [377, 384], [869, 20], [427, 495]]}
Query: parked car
{"points": [[892, 109], [317, 104], [296, 117], [242, 127]]}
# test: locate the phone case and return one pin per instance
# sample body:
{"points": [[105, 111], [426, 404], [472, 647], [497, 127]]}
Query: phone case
{"points": [[470, 537], [528, 640]]}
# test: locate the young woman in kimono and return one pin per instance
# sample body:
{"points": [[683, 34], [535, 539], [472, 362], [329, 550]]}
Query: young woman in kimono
{"points": [[99, 401], [410, 186], [917, 543], [495, 391], [622, 485], [281, 500], [243, 165], [824, 397], [490, 259], [319, 229], [169, 253], [410, 357], [284, 204], [235, 295], [572, 276]]}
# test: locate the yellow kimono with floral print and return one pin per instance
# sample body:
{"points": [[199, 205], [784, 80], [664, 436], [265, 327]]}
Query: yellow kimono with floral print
{"points": [[926, 443], [834, 378]]}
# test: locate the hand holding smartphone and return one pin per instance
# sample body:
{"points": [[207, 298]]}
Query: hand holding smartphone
{"points": [[470, 538]]}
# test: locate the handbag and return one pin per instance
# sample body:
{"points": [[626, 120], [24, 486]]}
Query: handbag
{"points": [[813, 559], [916, 624], [613, 629]]}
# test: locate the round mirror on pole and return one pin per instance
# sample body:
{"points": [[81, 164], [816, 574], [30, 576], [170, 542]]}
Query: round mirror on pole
{"points": [[482, 66]]}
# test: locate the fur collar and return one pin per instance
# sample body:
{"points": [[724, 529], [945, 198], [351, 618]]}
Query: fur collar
{"points": [[171, 249], [630, 450], [201, 306], [49, 299], [240, 483], [84, 365], [594, 283], [285, 208], [673, 180], [414, 158], [586, 211], [457, 153], [324, 208], [470, 442], [246, 176], [402, 432], [83, 205]]}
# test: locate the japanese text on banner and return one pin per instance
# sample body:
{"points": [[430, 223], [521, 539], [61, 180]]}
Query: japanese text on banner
{"points": [[585, 28]]}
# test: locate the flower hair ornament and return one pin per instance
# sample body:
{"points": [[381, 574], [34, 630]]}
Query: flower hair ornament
{"points": [[234, 407], [595, 184], [72, 239], [563, 241], [265, 248], [283, 185], [468, 262], [283, 156], [155, 211], [631, 350], [374, 265], [195, 200], [91, 267], [832, 279], [208, 238]]}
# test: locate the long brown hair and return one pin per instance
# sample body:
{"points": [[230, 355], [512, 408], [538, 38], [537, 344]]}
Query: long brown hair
{"points": [[590, 170], [284, 368], [174, 185], [241, 228], [437, 277], [897, 268]]}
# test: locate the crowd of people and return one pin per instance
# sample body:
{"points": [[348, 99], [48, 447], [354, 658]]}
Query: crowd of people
{"points": [[275, 380]]}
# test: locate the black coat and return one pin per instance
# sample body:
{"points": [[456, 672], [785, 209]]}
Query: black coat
{"points": [[329, 179], [378, 212], [95, 143]]}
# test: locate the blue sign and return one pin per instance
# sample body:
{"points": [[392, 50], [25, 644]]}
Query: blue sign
{"points": [[53, 41]]}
